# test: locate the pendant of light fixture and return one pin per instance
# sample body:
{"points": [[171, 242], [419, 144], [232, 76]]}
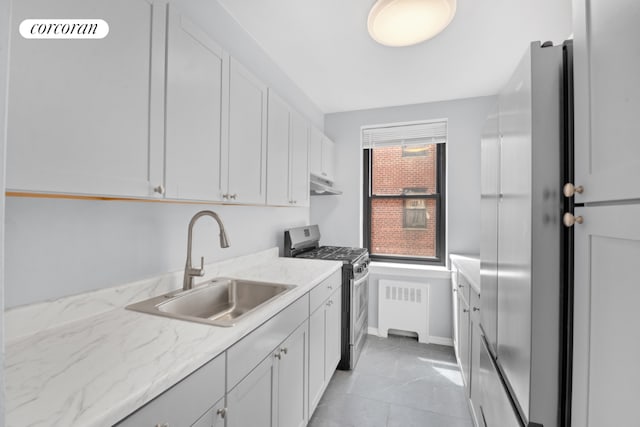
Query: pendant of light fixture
{"points": [[408, 22]]}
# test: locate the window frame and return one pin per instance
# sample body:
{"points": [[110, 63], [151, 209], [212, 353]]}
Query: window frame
{"points": [[439, 196]]}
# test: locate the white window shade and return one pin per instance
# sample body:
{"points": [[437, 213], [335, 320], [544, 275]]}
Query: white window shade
{"points": [[405, 135]]}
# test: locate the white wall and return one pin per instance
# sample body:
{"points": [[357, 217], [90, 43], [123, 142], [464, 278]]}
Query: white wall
{"points": [[4, 67], [339, 216], [61, 247], [58, 247]]}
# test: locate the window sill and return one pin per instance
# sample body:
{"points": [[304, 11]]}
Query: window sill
{"points": [[409, 270]]}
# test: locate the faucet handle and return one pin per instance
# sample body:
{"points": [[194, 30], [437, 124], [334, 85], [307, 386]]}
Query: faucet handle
{"points": [[200, 271]]}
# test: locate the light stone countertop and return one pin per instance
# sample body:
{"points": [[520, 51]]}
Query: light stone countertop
{"points": [[469, 265], [98, 365]]}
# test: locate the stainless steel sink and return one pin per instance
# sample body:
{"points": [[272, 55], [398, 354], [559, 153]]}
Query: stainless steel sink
{"points": [[220, 302]]}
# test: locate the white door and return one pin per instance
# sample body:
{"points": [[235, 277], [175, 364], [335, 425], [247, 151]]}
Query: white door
{"points": [[316, 357], [194, 111], [333, 324], [606, 335], [315, 152], [251, 401], [247, 137], [277, 151], [328, 159], [292, 379], [84, 116], [607, 99], [299, 155]]}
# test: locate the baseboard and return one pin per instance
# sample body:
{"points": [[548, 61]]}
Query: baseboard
{"points": [[441, 341], [432, 339]]}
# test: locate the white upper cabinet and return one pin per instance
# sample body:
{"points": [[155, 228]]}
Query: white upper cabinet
{"points": [[195, 113], [315, 152], [278, 152], [321, 155], [247, 137], [83, 115], [288, 152], [328, 159], [299, 164], [607, 99]]}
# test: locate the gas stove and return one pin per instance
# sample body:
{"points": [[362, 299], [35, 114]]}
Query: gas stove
{"points": [[304, 242], [337, 253]]}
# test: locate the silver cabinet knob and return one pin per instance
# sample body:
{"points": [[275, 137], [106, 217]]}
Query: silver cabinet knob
{"points": [[569, 190], [233, 196], [225, 196], [284, 350], [476, 308], [465, 310], [222, 412], [278, 355], [160, 190], [570, 220]]}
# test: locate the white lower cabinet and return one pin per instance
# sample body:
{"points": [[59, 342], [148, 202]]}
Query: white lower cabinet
{"points": [[194, 401], [324, 346], [274, 393]]}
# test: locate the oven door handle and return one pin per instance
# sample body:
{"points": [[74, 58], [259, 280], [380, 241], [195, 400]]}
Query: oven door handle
{"points": [[361, 279]]}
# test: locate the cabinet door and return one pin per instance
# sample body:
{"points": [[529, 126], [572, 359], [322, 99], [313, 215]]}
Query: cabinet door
{"points": [[464, 339], [246, 149], [455, 308], [83, 115], [315, 152], [333, 324], [474, 392], [250, 402], [606, 349], [194, 110], [316, 357], [299, 154], [277, 151], [328, 159], [292, 379], [607, 99]]}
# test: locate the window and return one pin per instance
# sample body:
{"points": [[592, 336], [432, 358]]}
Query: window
{"points": [[404, 194]]}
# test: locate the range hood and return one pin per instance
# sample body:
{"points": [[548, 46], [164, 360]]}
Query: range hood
{"points": [[322, 187]]}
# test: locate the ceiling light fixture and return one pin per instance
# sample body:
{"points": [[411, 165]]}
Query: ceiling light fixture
{"points": [[408, 22]]}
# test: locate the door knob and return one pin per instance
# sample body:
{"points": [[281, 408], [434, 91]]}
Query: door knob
{"points": [[570, 220], [569, 190]]}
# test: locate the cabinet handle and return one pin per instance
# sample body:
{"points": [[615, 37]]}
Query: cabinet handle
{"points": [[455, 290], [460, 285], [278, 356], [465, 310], [329, 287], [570, 220], [225, 196], [222, 412], [476, 309], [284, 350], [160, 190], [569, 190], [233, 196]]}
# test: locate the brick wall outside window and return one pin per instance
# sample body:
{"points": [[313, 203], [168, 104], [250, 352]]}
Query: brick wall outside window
{"points": [[393, 174]]}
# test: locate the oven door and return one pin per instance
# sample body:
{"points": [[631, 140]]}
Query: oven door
{"points": [[359, 315]]}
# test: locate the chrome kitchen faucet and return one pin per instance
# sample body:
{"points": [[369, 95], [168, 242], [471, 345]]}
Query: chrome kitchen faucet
{"points": [[189, 271]]}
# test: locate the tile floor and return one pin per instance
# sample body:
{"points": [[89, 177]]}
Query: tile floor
{"points": [[398, 383]]}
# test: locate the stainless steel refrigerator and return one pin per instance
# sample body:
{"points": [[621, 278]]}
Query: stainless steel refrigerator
{"points": [[525, 249]]}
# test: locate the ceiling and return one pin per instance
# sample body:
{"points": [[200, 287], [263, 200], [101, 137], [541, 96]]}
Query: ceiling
{"points": [[324, 47]]}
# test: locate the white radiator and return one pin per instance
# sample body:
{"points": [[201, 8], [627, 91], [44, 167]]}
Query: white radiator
{"points": [[403, 306]]}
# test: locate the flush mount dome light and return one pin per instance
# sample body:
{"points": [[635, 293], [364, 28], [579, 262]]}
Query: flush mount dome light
{"points": [[406, 22]]}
